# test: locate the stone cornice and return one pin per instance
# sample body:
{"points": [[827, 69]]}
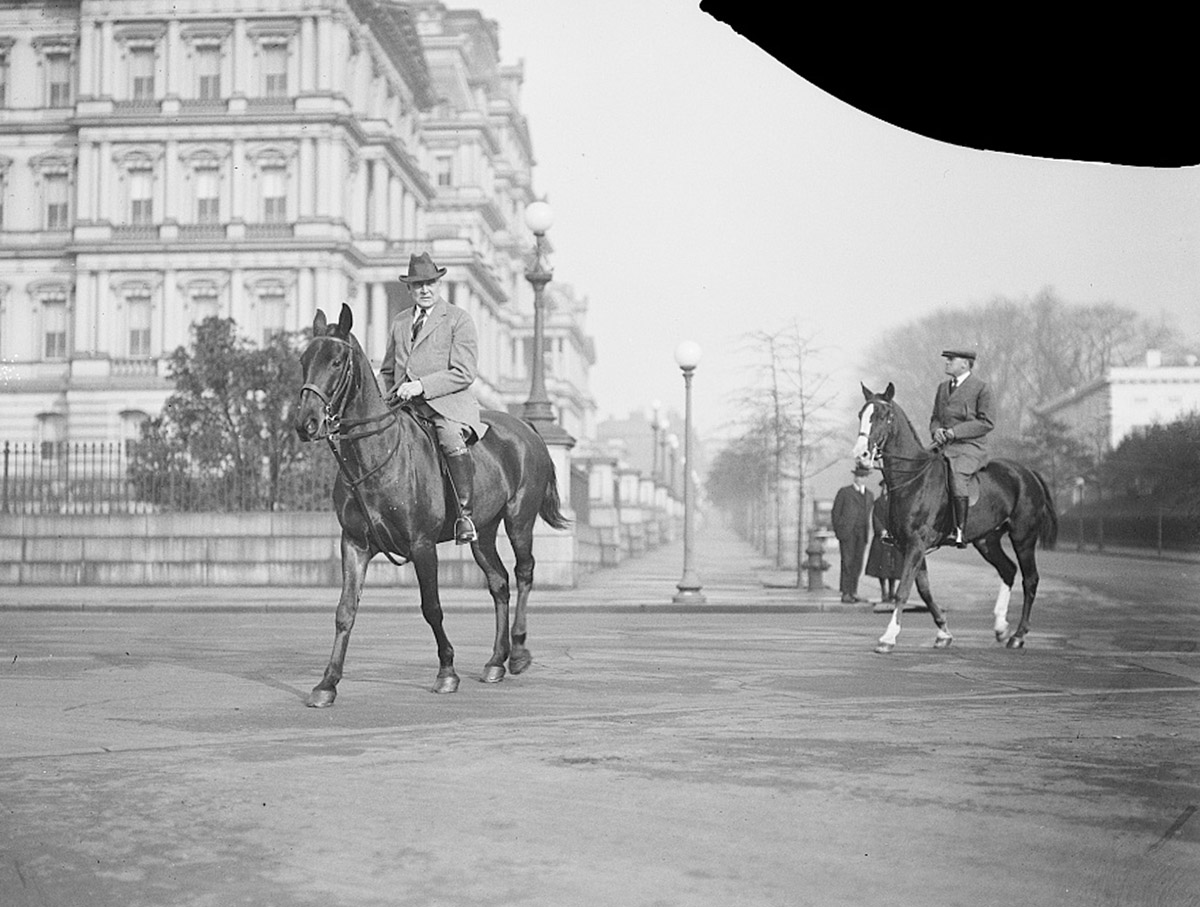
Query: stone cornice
{"points": [[397, 35]]}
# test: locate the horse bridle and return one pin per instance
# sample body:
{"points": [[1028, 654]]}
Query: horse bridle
{"points": [[335, 421], [875, 452], [905, 476]]}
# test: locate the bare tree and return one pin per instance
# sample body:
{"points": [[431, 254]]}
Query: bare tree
{"points": [[783, 405]]}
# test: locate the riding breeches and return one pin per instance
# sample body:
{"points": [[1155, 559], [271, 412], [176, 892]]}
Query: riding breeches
{"points": [[962, 466], [451, 435]]}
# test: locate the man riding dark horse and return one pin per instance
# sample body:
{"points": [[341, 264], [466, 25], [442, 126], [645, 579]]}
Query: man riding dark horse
{"points": [[430, 363], [961, 420]]}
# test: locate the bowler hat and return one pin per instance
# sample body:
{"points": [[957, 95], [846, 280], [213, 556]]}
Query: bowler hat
{"points": [[422, 269], [959, 354]]}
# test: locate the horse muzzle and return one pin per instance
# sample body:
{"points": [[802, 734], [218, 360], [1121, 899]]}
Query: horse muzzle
{"points": [[311, 424]]}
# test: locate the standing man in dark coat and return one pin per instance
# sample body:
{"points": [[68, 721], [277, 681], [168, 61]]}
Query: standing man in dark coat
{"points": [[851, 518], [961, 420]]}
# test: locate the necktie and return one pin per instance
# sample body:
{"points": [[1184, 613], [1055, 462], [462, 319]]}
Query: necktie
{"points": [[418, 322]]}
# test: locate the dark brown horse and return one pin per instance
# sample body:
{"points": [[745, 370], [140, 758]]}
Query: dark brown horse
{"points": [[1013, 500], [390, 499]]}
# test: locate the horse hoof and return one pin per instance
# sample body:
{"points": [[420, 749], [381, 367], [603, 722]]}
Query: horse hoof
{"points": [[320, 699], [885, 648], [492, 674], [1001, 635], [943, 642], [446, 684], [519, 661], [1016, 642]]}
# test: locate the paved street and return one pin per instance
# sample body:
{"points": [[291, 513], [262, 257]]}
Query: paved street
{"points": [[751, 751]]}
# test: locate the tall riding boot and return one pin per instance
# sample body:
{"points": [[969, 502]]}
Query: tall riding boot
{"points": [[961, 506], [462, 474]]}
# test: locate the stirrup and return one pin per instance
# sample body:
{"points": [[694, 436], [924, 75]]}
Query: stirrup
{"points": [[464, 531]]}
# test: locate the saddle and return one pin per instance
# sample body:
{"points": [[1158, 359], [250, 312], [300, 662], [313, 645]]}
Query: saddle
{"points": [[426, 425]]}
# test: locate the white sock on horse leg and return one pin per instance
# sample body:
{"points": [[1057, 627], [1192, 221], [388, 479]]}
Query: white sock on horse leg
{"points": [[893, 628], [1000, 611]]}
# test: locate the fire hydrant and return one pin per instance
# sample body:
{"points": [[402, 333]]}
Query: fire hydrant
{"points": [[815, 563]]}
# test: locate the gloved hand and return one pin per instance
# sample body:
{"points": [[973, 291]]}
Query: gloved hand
{"points": [[402, 393], [943, 436]]}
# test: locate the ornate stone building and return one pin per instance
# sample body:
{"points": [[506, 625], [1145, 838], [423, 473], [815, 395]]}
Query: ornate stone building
{"points": [[166, 160]]}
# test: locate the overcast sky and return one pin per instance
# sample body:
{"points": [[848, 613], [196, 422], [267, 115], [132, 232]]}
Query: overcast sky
{"points": [[703, 190]]}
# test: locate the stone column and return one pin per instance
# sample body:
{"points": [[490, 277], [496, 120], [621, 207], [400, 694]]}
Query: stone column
{"points": [[85, 190], [324, 53], [379, 322], [173, 64], [308, 55], [394, 197], [171, 182], [104, 190], [239, 184], [555, 548], [308, 177], [307, 293], [107, 59], [240, 58], [84, 328], [380, 177], [324, 176]]}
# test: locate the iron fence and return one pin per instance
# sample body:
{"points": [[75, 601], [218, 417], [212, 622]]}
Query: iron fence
{"points": [[65, 478]]}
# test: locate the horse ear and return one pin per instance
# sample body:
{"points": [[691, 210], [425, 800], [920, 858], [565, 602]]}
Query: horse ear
{"points": [[867, 394], [345, 320], [319, 323], [890, 392]]}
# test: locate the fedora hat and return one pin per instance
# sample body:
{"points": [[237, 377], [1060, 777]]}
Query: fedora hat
{"points": [[421, 269]]}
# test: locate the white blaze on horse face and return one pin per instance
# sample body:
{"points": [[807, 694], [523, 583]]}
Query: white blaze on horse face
{"points": [[1001, 610], [864, 430]]}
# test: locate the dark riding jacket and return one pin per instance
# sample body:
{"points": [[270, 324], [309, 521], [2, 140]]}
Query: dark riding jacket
{"points": [[967, 411]]}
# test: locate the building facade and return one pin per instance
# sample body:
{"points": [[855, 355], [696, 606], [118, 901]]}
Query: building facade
{"points": [[162, 161], [1125, 399]]}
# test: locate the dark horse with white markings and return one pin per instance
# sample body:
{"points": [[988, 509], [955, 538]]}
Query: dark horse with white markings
{"points": [[1013, 500], [390, 497]]}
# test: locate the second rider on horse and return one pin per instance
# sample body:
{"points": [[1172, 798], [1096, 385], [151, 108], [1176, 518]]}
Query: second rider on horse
{"points": [[962, 417], [430, 363]]}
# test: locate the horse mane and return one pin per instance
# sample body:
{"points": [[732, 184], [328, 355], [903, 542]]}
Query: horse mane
{"points": [[905, 421]]}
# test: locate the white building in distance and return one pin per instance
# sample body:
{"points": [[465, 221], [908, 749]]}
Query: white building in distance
{"points": [[1125, 399]]}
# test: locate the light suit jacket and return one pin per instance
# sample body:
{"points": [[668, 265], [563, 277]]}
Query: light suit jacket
{"points": [[968, 410], [443, 357]]}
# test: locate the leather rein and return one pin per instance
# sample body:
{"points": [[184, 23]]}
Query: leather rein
{"points": [[341, 429], [906, 477]]}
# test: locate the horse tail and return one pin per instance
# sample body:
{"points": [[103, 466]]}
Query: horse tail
{"points": [[1048, 530], [551, 509]]}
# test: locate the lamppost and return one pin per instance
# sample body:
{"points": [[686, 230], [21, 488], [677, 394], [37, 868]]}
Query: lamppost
{"points": [[673, 446], [539, 217], [687, 355], [655, 420]]}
